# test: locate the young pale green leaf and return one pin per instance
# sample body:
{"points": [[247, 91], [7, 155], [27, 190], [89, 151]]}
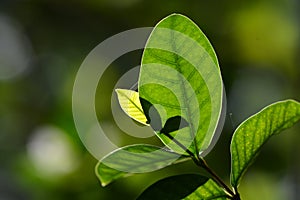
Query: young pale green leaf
{"points": [[130, 104], [256, 130], [180, 76], [138, 158], [186, 186]]}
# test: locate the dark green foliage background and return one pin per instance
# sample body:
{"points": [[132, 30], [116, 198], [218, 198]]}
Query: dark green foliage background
{"points": [[257, 43]]}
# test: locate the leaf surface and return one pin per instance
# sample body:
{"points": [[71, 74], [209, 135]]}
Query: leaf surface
{"points": [[186, 186], [138, 158], [254, 132], [130, 104], [180, 76]]}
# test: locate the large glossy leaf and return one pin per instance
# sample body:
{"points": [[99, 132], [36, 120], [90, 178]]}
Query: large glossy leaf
{"points": [[130, 104], [138, 158], [256, 130], [187, 186], [180, 76]]}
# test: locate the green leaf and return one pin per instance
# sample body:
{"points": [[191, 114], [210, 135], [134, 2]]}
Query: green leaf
{"points": [[180, 76], [187, 186], [209, 191], [138, 158], [250, 136], [130, 104]]}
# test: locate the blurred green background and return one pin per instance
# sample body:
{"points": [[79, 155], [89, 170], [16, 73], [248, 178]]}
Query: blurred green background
{"points": [[42, 45]]}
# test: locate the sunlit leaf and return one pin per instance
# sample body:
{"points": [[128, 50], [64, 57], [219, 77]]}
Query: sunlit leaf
{"points": [[130, 104], [209, 191], [180, 76], [138, 158], [256, 130], [187, 186]]}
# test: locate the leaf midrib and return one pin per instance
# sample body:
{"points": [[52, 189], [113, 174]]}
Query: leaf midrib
{"points": [[182, 85], [132, 102], [163, 159]]}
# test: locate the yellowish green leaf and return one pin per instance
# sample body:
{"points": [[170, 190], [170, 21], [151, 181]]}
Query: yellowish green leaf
{"points": [[130, 104]]}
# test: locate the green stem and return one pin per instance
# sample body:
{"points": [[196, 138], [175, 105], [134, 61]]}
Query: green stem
{"points": [[237, 195], [199, 161]]}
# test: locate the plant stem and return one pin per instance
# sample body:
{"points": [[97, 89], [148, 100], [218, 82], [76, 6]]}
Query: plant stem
{"points": [[199, 161], [237, 195]]}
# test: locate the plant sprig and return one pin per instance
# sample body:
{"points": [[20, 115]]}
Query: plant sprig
{"points": [[179, 80]]}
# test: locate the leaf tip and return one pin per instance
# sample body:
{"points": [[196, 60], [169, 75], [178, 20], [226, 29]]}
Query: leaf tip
{"points": [[97, 173], [117, 90], [103, 184]]}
